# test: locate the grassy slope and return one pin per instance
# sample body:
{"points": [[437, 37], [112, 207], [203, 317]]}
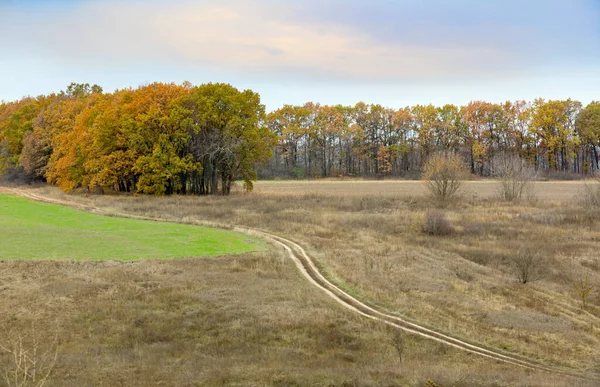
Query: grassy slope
{"points": [[253, 320], [250, 320], [33, 230], [462, 284]]}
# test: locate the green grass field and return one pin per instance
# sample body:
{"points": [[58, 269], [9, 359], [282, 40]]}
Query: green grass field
{"points": [[32, 230]]}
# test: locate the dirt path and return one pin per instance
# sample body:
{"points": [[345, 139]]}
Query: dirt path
{"points": [[310, 271]]}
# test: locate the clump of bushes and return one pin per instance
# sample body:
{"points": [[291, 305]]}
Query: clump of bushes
{"points": [[436, 223]]}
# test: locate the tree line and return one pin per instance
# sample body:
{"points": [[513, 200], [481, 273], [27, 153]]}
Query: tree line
{"points": [[374, 141], [156, 139], [167, 138]]}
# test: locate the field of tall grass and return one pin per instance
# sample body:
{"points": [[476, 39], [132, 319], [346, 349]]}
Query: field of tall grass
{"points": [[252, 320]]}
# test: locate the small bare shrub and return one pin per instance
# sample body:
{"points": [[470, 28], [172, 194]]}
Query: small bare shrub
{"points": [[398, 344], [516, 176], [444, 175], [582, 288], [527, 266], [436, 223], [474, 228], [25, 360]]}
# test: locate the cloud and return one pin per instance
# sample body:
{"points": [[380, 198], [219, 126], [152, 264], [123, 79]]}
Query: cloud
{"points": [[378, 41]]}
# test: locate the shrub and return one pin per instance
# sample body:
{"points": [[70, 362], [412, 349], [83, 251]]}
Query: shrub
{"points": [[398, 343], [436, 223], [474, 228], [298, 173], [590, 193], [444, 175], [527, 266], [516, 176], [582, 288]]}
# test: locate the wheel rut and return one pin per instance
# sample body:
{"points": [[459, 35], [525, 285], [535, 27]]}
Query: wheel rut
{"points": [[307, 267]]}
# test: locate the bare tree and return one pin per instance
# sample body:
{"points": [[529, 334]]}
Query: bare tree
{"points": [[516, 176], [398, 343], [527, 266], [444, 175]]}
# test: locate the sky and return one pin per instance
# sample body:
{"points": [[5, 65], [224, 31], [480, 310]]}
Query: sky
{"points": [[391, 52]]}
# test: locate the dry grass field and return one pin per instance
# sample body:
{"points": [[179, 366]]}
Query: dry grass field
{"points": [[253, 320], [484, 189]]}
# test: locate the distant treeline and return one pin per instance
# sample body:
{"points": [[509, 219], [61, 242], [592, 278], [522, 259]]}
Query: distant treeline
{"points": [[156, 139], [167, 138], [374, 141]]}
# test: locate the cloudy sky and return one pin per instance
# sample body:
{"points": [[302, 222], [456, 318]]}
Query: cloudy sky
{"points": [[392, 52]]}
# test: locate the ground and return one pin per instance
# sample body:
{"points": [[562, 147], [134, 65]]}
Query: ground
{"points": [[253, 320]]}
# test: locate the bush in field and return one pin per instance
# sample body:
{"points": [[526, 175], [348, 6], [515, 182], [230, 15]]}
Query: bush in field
{"points": [[527, 266], [590, 193], [444, 175], [436, 223], [582, 288], [516, 176]]}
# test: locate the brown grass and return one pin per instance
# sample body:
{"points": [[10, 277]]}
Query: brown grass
{"points": [[180, 323], [137, 321], [483, 189]]}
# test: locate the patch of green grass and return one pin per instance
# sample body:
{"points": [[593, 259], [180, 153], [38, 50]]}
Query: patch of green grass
{"points": [[32, 230]]}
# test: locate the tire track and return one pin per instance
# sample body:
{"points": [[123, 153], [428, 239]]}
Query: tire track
{"points": [[311, 272], [308, 268]]}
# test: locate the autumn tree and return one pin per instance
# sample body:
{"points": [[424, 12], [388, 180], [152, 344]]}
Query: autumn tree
{"points": [[384, 163], [16, 122], [588, 129], [478, 117], [57, 117], [154, 142], [227, 135], [168, 138], [405, 152], [553, 123], [347, 133], [449, 128], [424, 120], [71, 149], [518, 137], [289, 125], [81, 90]]}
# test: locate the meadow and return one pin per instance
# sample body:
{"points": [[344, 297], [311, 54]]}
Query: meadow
{"points": [[253, 320], [33, 230]]}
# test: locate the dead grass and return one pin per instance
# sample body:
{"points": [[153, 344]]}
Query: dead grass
{"points": [[545, 190], [182, 322], [367, 237]]}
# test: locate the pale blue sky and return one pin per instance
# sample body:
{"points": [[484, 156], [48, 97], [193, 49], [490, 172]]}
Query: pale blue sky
{"points": [[395, 53]]}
